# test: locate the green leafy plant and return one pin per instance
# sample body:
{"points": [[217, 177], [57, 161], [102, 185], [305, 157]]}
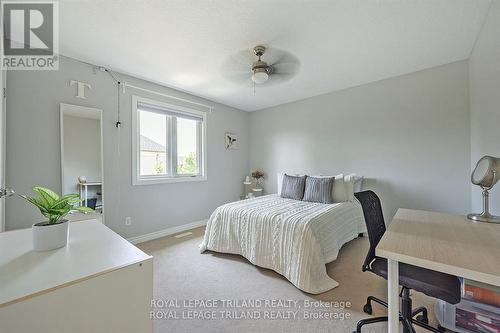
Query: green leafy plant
{"points": [[189, 165], [53, 206]]}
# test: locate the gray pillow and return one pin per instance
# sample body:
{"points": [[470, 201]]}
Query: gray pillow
{"points": [[319, 189], [293, 187]]}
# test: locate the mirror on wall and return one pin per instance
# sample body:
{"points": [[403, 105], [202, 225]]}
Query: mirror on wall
{"points": [[81, 155]]}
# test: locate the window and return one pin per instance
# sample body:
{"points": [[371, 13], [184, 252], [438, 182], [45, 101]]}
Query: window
{"points": [[169, 143]]}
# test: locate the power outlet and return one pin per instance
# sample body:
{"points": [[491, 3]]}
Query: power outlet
{"points": [[128, 220]]}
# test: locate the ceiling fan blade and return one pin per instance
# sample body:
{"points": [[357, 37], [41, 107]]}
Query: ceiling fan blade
{"points": [[279, 56], [273, 55], [286, 68], [238, 67], [243, 59], [238, 77], [279, 78], [283, 62]]}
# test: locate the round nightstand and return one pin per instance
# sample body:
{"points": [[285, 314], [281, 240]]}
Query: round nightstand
{"points": [[252, 187], [257, 191]]}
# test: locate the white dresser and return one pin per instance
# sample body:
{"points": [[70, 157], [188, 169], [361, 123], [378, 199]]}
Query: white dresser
{"points": [[99, 282]]}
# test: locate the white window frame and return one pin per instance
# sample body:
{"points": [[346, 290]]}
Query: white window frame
{"points": [[172, 177]]}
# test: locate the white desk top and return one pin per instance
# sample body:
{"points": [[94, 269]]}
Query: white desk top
{"points": [[444, 242], [93, 249], [90, 184]]}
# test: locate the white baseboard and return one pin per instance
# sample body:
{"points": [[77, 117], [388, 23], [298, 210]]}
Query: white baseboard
{"points": [[166, 232]]}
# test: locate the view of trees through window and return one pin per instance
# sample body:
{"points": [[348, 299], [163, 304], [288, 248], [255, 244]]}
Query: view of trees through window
{"points": [[187, 146], [189, 166], [153, 143]]}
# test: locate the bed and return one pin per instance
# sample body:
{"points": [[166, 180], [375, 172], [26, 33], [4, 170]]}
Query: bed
{"points": [[294, 238]]}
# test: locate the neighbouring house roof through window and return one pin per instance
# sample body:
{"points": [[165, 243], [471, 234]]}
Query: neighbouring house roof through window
{"points": [[149, 145]]}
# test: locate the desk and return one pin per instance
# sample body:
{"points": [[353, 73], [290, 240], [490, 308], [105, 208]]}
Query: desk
{"points": [[442, 242], [99, 283], [83, 188]]}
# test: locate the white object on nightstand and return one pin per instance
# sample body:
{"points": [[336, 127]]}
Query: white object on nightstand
{"points": [[247, 188]]}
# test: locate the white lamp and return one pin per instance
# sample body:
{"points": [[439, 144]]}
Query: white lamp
{"points": [[486, 175], [260, 75]]}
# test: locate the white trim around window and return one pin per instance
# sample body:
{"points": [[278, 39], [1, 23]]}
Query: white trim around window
{"points": [[172, 111]]}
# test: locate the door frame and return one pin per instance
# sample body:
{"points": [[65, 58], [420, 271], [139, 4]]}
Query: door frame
{"points": [[3, 87]]}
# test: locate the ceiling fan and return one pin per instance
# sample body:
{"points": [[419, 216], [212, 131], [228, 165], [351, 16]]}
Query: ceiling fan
{"points": [[271, 66]]}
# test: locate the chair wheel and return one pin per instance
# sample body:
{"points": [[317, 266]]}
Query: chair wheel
{"points": [[422, 319], [368, 309]]}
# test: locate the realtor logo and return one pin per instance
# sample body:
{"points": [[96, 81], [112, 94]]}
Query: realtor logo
{"points": [[30, 35]]}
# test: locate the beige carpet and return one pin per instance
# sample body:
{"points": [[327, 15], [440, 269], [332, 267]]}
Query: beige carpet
{"points": [[182, 274]]}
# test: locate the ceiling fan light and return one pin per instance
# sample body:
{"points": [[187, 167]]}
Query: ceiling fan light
{"points": [[260, 76]]}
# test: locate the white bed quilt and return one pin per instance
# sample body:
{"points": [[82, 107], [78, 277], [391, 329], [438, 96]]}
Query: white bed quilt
{"points": [[294, 238]]}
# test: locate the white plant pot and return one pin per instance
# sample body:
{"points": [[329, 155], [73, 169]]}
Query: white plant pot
{"points": [[50, 236]]}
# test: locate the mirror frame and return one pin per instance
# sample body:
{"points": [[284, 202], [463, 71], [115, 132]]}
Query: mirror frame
{"points": [[65, 109]]}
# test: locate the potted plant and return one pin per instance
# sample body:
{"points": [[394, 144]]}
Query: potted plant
{"points": [[258, 176], [52, 234]]}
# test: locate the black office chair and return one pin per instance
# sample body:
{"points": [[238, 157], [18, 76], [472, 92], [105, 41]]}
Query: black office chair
{"points": [[431, 283]]}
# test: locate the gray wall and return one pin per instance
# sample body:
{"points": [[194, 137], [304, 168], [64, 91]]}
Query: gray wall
{"points": [[33, 151], [408, 135], [485, 101]]}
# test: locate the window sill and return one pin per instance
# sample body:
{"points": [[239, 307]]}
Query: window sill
{"points": [[153, 181]]}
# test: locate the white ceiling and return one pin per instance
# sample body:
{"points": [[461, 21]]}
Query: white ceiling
{"points": [[186, 43]]}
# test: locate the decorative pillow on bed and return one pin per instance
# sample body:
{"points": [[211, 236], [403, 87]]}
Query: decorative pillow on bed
{"points": [[293, 187], [338, 191], [319, 189], [353, 184]]}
